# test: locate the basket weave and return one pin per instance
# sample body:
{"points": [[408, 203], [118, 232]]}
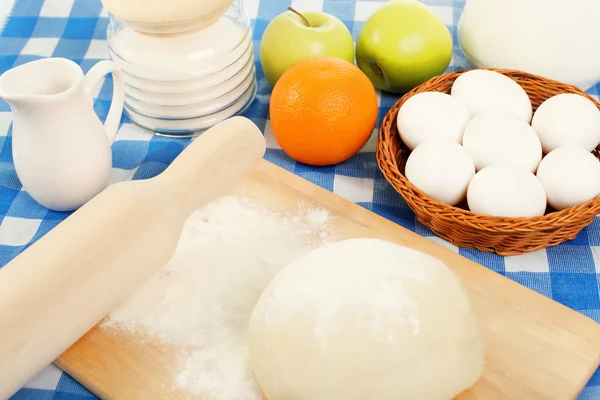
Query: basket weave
{"points": [[458, 225]]}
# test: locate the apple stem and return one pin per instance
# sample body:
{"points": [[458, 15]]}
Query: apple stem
{"points": [[301, 16]]}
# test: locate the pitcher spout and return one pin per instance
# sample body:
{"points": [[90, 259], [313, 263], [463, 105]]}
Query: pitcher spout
{"points": [[46, 79]]}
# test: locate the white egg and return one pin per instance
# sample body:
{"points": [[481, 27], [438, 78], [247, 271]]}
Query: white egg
{"points": [[431, 115], [494, 137], [570, 175], [482, 90], [567, 120], [441, 169], [504, 190]]}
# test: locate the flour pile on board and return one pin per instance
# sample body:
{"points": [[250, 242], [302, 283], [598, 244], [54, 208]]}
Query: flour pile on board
{"points": [[202, 299]]}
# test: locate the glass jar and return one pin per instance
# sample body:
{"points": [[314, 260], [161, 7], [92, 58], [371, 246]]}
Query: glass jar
{"points": [[182, 84]]}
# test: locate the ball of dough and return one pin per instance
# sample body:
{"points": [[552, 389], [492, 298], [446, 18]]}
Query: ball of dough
{"points": [[441, 169], [499, 138], [505, 190], [431, 115], [567, 120], [365, 319], [482, 90], [571, 176]]}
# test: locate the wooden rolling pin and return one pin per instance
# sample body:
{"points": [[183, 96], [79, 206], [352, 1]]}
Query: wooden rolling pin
{"points": [[66, 282]]}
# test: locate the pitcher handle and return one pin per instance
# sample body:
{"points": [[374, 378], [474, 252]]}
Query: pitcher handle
{"points": [[91, 80]]}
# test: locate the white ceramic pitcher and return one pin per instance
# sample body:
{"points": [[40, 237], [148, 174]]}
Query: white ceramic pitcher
{"points": [[558, 39], [61, 150]]}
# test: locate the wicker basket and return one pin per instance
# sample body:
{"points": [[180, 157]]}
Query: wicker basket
{"points": [[504, 236]]}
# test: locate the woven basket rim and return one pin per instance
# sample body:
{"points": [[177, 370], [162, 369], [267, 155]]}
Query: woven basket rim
{"points": [[501, 224]]}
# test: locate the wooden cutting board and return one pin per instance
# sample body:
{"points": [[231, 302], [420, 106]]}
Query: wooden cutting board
{"points": [[535, 347]]}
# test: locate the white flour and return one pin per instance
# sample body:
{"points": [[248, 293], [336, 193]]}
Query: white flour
{"points": [[202, 299]]}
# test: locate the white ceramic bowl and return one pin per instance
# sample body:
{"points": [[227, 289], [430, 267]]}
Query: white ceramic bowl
{"points": [[193, 126], [181, 84], [180, 68], [192, 109], [555, 39], [152, 88]]}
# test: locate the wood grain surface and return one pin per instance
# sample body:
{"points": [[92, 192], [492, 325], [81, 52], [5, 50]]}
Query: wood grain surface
{"points": [[536, 348]]}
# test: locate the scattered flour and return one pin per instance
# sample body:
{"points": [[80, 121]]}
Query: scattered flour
{"points": [[202, 299], [317, 217]]}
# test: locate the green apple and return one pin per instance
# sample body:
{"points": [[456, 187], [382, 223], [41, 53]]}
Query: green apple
{"points": [[292, 36], [402, 45]]}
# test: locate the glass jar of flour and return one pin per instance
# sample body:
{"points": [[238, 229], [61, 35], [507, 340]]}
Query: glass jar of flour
{"points": [[180, 84]]}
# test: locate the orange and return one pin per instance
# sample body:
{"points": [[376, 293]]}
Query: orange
{"points": [[323, 110]]}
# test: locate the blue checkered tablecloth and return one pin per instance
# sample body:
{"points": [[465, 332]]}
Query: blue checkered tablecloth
{"points": [[76, 29]]}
